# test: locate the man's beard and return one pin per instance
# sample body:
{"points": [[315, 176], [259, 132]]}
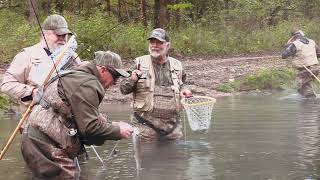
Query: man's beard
{"points": [[157, 53], [53, 47]]}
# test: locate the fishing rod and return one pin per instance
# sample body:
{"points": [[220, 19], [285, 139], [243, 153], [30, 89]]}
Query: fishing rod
{"points": [[54, 68], [39, 91]]}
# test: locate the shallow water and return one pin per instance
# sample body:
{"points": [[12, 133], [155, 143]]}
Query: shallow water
{"points": [[269, 136]]}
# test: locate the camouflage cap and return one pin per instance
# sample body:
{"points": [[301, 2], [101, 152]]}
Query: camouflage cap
{"points": [[159, 34], [56, 23], [110, 59]]}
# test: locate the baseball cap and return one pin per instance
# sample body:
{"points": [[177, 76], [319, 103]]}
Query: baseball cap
{"points": [[159, 34], [110, 59], [56, 23]]}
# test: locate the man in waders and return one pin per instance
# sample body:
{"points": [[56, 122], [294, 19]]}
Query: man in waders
{"points": [[157, 83], [67, 117], [16, 82], [305, 53]]}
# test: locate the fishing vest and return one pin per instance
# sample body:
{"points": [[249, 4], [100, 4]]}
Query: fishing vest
{"points": [[53, 118], [305, 55], [146, 91]]}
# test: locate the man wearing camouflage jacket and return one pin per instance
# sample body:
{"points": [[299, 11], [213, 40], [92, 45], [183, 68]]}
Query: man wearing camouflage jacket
{"points": [[67, 117]]}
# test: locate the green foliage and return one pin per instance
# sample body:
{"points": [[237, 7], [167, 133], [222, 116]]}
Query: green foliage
{"points": [[4, 102], [102, 32], [15, 34], [263, 79], [229, 87], [180, 6]]}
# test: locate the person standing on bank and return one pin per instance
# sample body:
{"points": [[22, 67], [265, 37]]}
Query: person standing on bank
{"points": [[67, 117], [16, 82], [305, 53], [157, 83]]}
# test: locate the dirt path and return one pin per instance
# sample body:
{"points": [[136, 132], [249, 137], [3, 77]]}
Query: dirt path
{"points": [[204, 74]]}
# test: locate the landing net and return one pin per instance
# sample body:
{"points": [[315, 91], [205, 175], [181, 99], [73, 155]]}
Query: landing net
{"points": [[199, 111]]}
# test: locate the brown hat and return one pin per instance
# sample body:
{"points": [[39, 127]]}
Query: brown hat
{"points": [[56, 23], [110, 59], [159, 34]]}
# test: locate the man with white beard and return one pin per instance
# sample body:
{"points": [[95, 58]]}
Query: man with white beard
{"points": [[15, 82], [157, 84]]}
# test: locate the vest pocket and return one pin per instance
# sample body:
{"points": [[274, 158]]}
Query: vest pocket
{"points": [[143, 101], [143, 84]]}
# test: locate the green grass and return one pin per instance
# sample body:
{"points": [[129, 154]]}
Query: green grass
{"points": [[276, 78], [4, 102]]}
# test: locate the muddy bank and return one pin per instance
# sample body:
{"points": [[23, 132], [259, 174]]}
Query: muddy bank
{"points": [[204, 74]]}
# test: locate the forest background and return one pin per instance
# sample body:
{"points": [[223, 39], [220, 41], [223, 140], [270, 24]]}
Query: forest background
{"points": [[196, 27]]}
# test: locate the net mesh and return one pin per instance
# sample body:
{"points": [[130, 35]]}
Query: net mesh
{"points": [[199, 111]]}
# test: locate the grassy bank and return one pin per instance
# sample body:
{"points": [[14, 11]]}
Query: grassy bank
{"points": [[277, 78], [129, 38]]}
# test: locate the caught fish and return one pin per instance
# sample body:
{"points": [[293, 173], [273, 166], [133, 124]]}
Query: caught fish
{"points": [[136, 148]]}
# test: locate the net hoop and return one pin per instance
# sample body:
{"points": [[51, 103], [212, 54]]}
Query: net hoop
{"points": [[186, 104], [199, 111]]}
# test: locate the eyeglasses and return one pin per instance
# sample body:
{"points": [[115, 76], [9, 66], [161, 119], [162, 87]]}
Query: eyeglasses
{"points": [[115, 75]]}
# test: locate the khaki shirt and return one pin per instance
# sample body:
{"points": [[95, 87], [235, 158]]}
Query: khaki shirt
{"points": [[162, 77], [15, 80], [84, 93]]}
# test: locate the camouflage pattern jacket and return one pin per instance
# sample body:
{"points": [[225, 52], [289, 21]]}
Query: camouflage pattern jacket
{"points": [[74, 100]]}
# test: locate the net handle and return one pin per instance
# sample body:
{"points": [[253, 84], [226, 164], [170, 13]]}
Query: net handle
{"points": [[211, 100]]}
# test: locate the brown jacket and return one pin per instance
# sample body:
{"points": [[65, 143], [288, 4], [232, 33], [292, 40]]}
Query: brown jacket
{"points": [[85, 93]]}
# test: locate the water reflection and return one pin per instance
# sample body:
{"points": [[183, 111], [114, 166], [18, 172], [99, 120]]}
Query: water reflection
{"points": [[251, 137]]}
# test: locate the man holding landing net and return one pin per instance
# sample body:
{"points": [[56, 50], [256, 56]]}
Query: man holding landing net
{"points": [[157, 83]]}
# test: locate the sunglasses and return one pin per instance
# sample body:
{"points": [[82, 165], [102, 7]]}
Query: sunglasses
{"points": [[115, 75]]}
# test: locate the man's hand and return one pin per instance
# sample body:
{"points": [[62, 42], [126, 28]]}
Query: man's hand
{"points": [[135, 75], [34, 92], [125, 129], [37, 94], [186, 93]]}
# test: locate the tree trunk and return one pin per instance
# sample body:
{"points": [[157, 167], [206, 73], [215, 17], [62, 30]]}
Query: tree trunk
{"points": [[119, 10], [108, 6], [46, 6], [30, 12], [59, 6], [126, 10], [161, 16], [80, 5], [143, 14], [286, 9], [156, 10]]}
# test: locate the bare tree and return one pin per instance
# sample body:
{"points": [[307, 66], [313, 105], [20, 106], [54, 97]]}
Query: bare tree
{"points": [[161, 16], [119, 10], [46, 5], [143, 14], [108, 6], [59, 6], [32, 8]]}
